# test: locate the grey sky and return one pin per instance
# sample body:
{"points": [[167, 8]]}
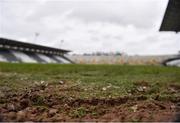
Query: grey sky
{"points": [[130, 26]]}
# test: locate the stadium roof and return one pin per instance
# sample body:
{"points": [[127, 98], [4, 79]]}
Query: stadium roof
{"points": [[29, 47], [171, 21]]}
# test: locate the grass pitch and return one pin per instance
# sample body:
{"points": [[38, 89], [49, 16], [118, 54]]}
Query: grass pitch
{"points": [[102, 85], [104, 80]]}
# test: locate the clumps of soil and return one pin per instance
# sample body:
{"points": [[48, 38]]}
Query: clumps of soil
{"points": [[49, 103], [141, 111]]}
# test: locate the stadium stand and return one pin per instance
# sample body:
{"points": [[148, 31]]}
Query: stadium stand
{"points": [[21, 52], [171, 22]]}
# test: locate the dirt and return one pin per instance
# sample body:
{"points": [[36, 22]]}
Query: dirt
{"points": [[50, 103], [174, 88]]}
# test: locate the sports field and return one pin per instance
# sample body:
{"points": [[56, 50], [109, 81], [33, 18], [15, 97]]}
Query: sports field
{"points": [[51, 92]]}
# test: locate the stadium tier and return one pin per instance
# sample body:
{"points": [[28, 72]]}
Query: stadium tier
{"points": [[21, 52], [171, 21]]}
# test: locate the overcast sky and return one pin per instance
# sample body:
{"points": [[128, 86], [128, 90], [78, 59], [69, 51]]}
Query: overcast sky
{"points": [[85, 26]]}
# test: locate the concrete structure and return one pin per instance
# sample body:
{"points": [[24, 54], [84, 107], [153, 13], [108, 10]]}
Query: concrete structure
{"points": [[123, 59], [17, 52], [171, 22]]}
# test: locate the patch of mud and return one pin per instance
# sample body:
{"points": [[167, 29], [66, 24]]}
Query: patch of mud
{"points": [[49, 103], [146, 111]]}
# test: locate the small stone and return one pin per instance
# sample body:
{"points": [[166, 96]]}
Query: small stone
{"points": [[42, 82], [61, 82], [140, 89], [66, 106], [144, 87], [129, 94], [173, 107], [21, 115], [104, 89], [52, 112], [134, 108], [109, 86]]}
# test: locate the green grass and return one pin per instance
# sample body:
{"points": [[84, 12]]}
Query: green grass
{"points": [[118, 80]]}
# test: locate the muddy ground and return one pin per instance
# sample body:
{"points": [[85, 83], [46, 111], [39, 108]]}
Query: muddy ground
{"points": [[54, 103]]}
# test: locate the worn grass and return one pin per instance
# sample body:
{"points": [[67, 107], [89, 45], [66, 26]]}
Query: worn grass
{"points": [[92, 80]]}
